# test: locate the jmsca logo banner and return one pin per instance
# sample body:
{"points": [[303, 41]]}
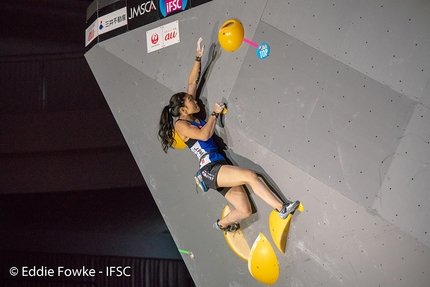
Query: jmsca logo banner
{"points": [[141, 9], [162, 36]]}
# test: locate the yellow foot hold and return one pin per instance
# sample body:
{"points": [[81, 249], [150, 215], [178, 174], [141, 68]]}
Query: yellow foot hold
{"points": [[263, 264], [236, 240], [301, 208], [279, 228]]}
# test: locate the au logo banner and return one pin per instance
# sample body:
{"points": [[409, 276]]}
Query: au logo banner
{"points": [[162, 36]]}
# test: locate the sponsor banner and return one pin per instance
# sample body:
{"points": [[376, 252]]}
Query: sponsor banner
{"points": [[137, 13], [168, 7], [154, 40], [112, 21], [141, 12], [162, 36], [91, 33], [171, 34]]}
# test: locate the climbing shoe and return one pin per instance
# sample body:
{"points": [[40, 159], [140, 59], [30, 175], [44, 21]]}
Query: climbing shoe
{"points": [[230, 228], [288, 209]]}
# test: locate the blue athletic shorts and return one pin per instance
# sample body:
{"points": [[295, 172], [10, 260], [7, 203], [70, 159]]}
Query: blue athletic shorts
{"points": [[210, 173]]}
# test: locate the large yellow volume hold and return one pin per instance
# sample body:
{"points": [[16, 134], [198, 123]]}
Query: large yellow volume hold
{"points": [[262, 262], [279, 228]]}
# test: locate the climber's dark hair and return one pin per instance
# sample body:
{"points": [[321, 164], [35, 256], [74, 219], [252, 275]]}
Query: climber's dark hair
{"points": [[166, 126]]}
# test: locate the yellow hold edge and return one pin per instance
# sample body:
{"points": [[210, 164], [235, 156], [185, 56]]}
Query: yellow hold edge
{"points": [[263, 264], [236, 240], [301, 208], [279, 228]]}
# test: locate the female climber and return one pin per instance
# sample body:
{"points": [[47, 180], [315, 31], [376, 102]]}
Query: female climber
{"points": [[179, 116]]}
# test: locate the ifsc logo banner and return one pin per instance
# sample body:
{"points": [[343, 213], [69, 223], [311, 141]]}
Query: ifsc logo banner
{"points": [[169, 6]]}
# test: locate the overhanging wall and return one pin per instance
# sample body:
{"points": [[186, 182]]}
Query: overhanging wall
{"points": [[325, 116]]}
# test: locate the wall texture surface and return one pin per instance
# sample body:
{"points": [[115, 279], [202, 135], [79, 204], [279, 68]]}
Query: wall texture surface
{"points": [[337, 116]]}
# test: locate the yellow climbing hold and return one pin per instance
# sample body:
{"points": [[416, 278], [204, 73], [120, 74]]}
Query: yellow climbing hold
{"points": [[236, 240], [262, 263], [279, 228]]}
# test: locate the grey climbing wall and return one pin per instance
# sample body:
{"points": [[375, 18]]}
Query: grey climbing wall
{"points": [[337, 116]]}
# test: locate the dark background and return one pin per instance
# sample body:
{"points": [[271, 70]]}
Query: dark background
{"points": [[65, 169]]}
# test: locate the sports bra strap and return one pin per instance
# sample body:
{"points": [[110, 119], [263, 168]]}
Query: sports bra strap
{"points": [[209, 152]]}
